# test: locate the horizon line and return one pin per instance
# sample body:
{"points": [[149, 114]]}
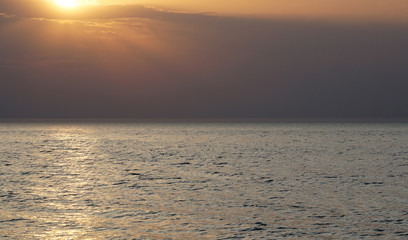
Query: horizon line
{"points": [[206, 120]]}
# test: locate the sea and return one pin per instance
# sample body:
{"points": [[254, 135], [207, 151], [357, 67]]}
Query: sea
{"points": [[203, 180]]}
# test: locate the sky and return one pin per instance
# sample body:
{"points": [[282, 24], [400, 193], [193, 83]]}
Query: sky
{"points": [[204, 59]]}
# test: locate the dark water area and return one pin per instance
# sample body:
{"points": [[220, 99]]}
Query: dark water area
{"points": [[73, 180]]}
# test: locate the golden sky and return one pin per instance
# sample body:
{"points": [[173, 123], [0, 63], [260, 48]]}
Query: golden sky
{"points": [[349, 10], [158, 58], [356, 9]]}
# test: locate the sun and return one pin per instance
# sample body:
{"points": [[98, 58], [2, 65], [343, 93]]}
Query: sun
{"points": [[67, 3]]}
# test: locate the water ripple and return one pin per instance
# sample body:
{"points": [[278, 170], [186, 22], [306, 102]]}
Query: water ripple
{"points": [[203, 181]]}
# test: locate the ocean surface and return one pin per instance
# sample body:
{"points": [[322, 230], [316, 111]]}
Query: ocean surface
{"points": [[73, 180]]}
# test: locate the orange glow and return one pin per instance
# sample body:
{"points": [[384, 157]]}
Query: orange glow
{"points": [[67, 3], [316, 9]]}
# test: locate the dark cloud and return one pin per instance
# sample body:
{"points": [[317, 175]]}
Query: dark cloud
{"points": [[185, 65]]}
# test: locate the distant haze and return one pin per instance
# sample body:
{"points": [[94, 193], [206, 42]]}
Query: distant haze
{"points": [[390, 10], [166, 59]]}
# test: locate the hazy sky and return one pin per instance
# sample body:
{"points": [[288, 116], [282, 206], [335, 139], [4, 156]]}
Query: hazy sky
{"points": [[206, 59], [351, 9]]}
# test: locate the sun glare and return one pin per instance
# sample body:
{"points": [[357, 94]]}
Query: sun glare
{"points": [[67, 3]]}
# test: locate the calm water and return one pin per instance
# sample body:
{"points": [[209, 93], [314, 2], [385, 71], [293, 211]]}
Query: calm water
{"points": [[203, 181]]}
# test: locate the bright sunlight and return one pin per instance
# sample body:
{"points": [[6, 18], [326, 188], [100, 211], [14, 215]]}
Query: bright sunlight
{"points": [[67, 3]]}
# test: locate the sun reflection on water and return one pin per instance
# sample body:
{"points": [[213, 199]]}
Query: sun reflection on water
{"points": [[68, 186], [124, 181]]}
